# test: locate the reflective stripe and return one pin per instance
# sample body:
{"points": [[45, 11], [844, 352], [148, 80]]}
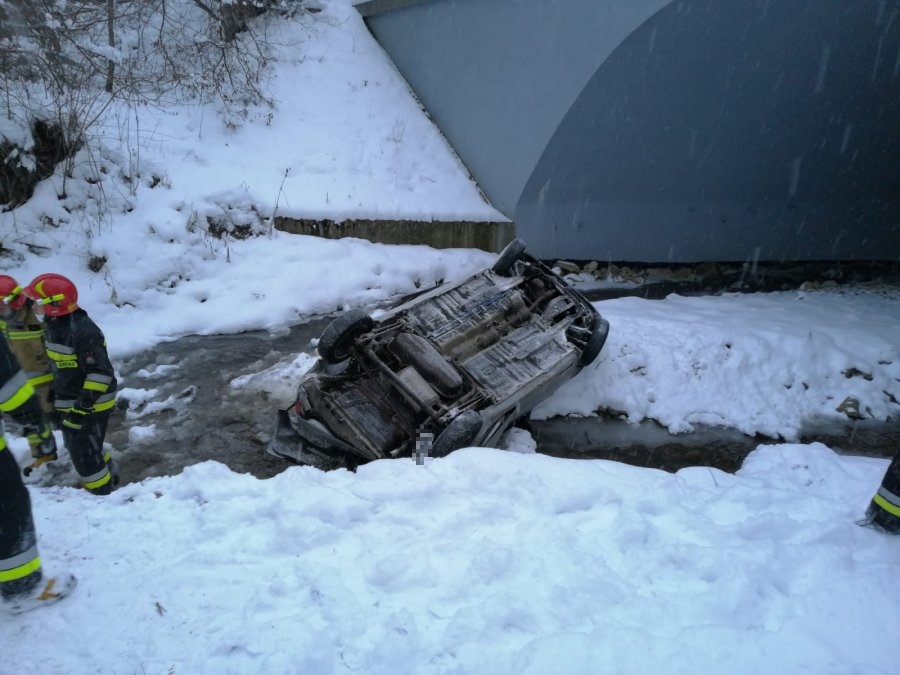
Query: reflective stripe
{"points": [[102, 404], [63, 351], [62, 355], [37, 380], [15, 335], [15, 392], [97, 382], [96, 480], [60, 348], [888, 495], [62, 363], [98, 378], [888, 501], [20, 565]]}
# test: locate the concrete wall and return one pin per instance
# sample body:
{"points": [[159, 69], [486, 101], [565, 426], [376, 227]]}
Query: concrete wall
{"points": [[648, 130], [498, 76], [463, 234]]}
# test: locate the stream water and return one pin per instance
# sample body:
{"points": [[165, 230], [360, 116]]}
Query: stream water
{"points": [[195, 415]]}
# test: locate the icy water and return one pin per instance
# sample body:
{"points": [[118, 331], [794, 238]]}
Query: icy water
{"points": [[649, 445], [196, 416]]}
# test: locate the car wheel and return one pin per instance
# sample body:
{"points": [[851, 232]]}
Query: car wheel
{"points": [[460, 433], [508, 256], [595, 342], [337, 338]]}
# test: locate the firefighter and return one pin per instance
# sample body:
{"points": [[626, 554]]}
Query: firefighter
{"points": [[25, 336], [84, 383], [22, 584], [883, 512]]}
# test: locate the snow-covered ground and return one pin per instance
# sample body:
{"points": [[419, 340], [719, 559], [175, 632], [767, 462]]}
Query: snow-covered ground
{"points": [[489, 560]]}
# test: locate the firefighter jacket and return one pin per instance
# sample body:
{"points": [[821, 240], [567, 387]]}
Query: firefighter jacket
{"points": [[83, 376], [25, 335], [17, 397]]}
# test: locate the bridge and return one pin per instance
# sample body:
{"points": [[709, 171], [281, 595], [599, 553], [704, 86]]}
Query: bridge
{"points": [[668, 130]]}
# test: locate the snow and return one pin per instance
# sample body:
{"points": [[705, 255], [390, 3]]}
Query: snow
{"points": [[486, 561], [761, 363]]}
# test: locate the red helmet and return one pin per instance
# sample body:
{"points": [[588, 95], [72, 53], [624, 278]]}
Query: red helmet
{"points": [[11, 293], [53, 293]]}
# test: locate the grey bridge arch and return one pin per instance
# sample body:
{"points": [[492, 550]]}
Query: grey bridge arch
{"points": [[668, 130]]}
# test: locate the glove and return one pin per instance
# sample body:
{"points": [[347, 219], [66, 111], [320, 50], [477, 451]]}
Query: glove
{"points": [[74, 418]]}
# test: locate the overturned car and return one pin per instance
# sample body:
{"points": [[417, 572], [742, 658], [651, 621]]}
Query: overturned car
{"points": [[444, 368]]}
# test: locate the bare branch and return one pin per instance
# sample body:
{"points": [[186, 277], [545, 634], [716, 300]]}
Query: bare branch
{"points": [[215, 17]]}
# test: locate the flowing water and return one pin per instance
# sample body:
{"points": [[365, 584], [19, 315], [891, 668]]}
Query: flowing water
{"points": [[196, 415]]}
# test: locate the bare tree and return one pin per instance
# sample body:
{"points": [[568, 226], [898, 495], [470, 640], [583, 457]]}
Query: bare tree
{"points": [[234, 14], [111, 35], [62, 62]]}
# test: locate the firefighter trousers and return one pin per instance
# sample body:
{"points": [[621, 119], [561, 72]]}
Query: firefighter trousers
{"points": [[884, 509], [19, 563], [85, 446]]}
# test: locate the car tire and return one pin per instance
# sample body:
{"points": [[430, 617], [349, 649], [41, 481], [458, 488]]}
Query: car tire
{"points": [[337, 338], [508, 256], [595, 342], [460, 433]]}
